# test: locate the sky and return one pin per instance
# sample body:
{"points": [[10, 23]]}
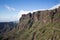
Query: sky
{"points": [[11, 10]]}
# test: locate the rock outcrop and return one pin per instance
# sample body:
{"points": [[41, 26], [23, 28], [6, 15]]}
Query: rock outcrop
{"points": [[42, 16]]}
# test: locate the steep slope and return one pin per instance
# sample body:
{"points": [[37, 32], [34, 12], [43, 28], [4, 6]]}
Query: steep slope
{"points": [[39, 25]]}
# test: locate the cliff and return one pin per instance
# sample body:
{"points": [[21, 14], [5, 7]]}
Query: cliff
{"points": [[39, 25], [43, 17]]}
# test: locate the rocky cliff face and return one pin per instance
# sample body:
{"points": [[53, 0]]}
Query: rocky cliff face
{"points": [[39, 25], [42, 16]]}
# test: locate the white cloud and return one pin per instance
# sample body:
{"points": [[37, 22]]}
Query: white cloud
{"points": [[56, 6], [9, 8]]}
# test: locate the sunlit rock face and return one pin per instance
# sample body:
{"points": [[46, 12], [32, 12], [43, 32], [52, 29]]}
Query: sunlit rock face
{"points": [[42, 16]]}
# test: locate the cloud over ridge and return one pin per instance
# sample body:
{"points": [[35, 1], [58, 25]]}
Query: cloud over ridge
{"points": [[56, 6]]}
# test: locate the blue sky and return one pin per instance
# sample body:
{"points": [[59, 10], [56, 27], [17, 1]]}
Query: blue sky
{"points": [[10, 9]]}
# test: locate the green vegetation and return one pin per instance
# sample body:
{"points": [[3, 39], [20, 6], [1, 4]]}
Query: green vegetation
{"points": [[38, 31]]}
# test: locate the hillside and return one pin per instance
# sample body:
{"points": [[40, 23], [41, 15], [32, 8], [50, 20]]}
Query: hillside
{"points": [[39, 25], [7, 26]]}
